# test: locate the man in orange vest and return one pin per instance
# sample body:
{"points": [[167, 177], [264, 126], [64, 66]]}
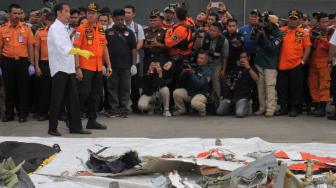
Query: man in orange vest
{"points": [[294, 53], [91, 36], [179, 41], [319, 74], [42, 68], [17, 50]]}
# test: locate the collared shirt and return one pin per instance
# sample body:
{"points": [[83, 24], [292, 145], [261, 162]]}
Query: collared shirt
{"points": [[139, 34], [293, 47], [41, 41], [92, 39], [15, 40], [120, 43], [59, 46]]}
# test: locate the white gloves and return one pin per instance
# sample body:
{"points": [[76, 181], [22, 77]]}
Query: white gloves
{"points": [[31, 70], [104, 70], [134, 70]]}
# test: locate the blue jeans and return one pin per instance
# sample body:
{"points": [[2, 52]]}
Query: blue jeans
{"points": [[226, 107]]}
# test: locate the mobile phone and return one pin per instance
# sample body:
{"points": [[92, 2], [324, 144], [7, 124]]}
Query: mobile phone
{"points": [[214, 4]]}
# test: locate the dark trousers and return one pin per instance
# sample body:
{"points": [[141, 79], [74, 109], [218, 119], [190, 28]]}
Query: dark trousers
{"points": [[118, 90], [16, 81], [90, 92], [290, 87], [44, 91], [306, 93], [135, 88], [64, 88], [333, 84]]}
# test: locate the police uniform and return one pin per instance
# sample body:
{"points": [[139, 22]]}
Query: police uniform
{"points": [[91, 38], [15, 42], [154, 54]]}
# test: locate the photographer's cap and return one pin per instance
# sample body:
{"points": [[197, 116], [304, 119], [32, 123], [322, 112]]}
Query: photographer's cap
{"points": [[255, 11]]}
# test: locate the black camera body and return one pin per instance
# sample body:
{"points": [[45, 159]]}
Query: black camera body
{"points": [[316, 31], [261, 26]]}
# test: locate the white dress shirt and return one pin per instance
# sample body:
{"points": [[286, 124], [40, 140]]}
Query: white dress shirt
{"points": [[59, 46], [138, 36]]}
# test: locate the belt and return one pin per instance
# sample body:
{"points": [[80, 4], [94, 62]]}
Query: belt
{"points": [[13, 59]]}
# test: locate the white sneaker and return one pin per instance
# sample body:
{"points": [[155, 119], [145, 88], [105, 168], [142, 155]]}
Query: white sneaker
{"points": [[166, 113]]}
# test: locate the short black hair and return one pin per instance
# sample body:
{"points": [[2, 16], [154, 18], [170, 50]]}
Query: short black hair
{"points": [[50, 17], [74, 11], [118, 12], [105, 10], [181, 13], [14, 5], [131, 7], [215, 15], [232, 20], [332, 16], [82, 9], [59, 7], [108, 17], [218, 25], [322, 15]]}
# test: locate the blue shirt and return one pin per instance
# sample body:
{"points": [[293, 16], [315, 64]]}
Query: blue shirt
{"points": [[249, 45]]}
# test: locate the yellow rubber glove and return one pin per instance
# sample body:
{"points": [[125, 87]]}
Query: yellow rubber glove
{"points": [[84, 53]]}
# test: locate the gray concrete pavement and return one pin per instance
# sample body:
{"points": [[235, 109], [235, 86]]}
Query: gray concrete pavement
{"points": [[277, 129]]}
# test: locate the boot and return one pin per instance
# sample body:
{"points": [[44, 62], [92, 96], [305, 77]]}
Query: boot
{"points": [[294, 112], [93, 124], [333, 116], [321, 110]]}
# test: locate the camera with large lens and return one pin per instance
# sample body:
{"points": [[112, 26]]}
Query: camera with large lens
{"points": [[261, 26], [316, 31]]}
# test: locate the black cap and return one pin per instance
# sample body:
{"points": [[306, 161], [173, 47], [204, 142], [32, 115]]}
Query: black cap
{"points": [[93, 7], [218, 25], [154, 14], [255, 11], [295, 14], [315, 14]]}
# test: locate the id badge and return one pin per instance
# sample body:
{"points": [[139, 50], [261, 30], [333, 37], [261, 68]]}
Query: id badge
{"points": [[20, 39]]}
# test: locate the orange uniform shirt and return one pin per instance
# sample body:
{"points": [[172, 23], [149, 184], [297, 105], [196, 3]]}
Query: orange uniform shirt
{"points": [[176, 35], [15, 40], [293, 46], [41, 42], [93, 39], [320, 55]]}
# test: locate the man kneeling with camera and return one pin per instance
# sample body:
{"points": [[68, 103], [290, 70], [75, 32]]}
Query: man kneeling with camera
{"points": [[194, 86]]}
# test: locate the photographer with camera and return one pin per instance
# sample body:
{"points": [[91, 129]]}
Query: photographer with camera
{"points": [[266, 62], [217, 47], [319, 74], [295, 50], [155, 84], [237, 88], [194, 83]]}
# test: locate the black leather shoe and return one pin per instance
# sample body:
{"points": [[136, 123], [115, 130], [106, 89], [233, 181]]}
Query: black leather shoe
{"points": [[79, 132], [22, 119], [92, 124], [281, 112], [332, 117], [293, 113], [54, 133], [7, 119]]}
